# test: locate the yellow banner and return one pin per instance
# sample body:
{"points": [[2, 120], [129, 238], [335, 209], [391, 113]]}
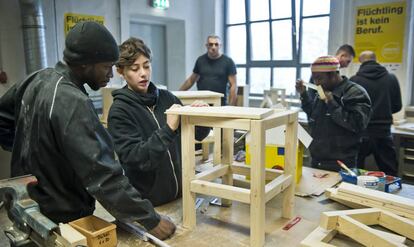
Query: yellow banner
{"points": [[71, 19], [380, 28]]}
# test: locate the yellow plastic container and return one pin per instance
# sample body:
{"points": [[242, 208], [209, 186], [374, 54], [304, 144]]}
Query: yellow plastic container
{"points": [[98, 232], [275, 158]]}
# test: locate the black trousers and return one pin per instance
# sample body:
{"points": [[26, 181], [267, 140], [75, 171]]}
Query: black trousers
{"points": [[383, 149]]}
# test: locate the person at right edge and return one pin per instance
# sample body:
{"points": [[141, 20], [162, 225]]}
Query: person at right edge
{"points": [[337, 120], [60, 140], [384, 90]]}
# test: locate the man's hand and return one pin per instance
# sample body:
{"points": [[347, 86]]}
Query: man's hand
{"points": [[300, 87], [164, 229], [328, 96], [173, 121], [199, 103]]}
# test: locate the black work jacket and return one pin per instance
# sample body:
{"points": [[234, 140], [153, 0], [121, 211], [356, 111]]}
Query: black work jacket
{"points": [[336, 127], [148, 149], [61, 141]]}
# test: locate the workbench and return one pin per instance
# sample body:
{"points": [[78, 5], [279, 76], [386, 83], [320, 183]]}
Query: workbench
{"points": [[228, 227]]}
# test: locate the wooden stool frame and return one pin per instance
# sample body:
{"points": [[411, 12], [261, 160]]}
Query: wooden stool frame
{"points": [[259, 192]]}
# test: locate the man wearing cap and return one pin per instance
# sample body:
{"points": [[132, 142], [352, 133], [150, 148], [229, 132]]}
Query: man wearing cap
{"points": [[337, 121], [344, 54], [59, 138]]}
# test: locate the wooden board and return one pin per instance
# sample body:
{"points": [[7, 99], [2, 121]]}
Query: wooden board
{"points": [[376, 195], [197, 94], [223, 112]]}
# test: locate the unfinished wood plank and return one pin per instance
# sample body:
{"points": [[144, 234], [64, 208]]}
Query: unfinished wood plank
{"points": [[69, 237], [242, 124], [391, 236], [276, 186], [291, 141], [228, 150], [257, 185], [397, 224], [378, 204], [217, 146], [319, 238], [367, 216], [331, 193], [188, 167], [212, 173], [223, 112], [377, 195], [362, 234], [197, 94], [220, 190], [245, 170], [367, 203]]}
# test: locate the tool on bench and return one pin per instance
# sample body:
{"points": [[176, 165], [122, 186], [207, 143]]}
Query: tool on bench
{"points": [[141, 233], [292, 223], [341, 164], [30, 227]]}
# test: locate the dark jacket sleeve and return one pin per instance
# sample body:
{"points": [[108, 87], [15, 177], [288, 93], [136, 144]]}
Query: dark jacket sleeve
{"points": [[351, 111], [396, 102], [88, 147], [134, 151], [306, 103], [7, 116]]}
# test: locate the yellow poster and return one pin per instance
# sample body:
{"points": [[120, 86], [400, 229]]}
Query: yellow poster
{"points": [[71, 19], [380, 28]]}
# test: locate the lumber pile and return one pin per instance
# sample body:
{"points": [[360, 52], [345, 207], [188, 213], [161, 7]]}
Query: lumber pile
{"points": [[356, 225], [359, 197]]}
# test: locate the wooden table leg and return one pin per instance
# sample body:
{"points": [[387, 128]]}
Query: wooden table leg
{"points": [[188, 166], [257, 189], [291, 144], [228, 147]]}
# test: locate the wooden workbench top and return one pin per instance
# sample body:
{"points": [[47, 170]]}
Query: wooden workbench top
{"points": [[195, 94], [223, 112]]}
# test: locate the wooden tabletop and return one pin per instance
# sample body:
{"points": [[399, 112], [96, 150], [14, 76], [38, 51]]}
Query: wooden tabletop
{"points": [[197, 94], [223, 112]]}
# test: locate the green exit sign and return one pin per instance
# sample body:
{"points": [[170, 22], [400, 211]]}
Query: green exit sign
{"points": [[161, 4]]}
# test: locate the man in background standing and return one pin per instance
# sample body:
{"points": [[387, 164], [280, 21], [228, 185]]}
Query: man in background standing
{"points": [[384, 90], [215, 72], [344, 54]]}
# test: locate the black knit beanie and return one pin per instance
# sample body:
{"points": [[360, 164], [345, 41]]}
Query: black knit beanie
{"points": [[90, 42]]}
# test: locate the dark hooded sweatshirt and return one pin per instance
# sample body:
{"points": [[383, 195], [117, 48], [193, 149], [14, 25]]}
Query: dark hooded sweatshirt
{"points": [[384, 90], [148, 149], [60, 140]]}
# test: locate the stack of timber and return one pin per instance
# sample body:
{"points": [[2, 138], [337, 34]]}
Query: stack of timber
{"points": [[356, 224], [358, 197]]}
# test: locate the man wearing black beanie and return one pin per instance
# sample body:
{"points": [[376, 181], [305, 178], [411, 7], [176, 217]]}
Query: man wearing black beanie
{"points": [[58, 136]]}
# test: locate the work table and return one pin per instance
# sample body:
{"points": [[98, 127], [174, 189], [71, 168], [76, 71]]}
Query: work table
{"points": [[218, 226]]}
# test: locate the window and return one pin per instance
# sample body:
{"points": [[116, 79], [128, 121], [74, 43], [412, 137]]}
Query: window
{"points": [[273, 42]]}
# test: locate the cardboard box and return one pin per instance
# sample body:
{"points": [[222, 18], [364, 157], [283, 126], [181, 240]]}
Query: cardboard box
{"points": [[275, 151], [98, 232], [275, 158]]}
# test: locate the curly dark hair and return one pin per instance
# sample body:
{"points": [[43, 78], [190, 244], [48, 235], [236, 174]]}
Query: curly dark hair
{"points": [[130, 50]]}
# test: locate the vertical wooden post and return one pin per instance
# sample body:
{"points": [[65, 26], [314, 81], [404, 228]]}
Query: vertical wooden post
{"points": [[188, 166], [228, 149], [257, 188], [217, 139], [291, 143]]}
